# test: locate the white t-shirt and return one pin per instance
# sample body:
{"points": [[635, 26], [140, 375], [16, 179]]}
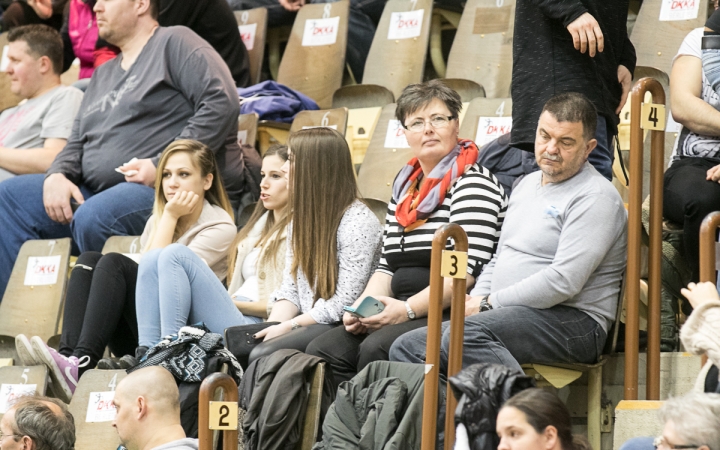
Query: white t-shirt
{"points": [[688, 143], [49, 116], [249, 291]]}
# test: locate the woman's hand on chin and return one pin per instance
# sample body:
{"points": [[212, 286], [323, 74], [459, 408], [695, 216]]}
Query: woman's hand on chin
{"points": [[274, 331], [393, 313], [182, 203]]}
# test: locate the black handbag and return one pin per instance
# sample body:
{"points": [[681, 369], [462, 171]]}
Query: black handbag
{"points": [[240, 341]]}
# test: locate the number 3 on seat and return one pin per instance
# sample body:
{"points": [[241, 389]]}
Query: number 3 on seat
{"points": [[454, 264]]}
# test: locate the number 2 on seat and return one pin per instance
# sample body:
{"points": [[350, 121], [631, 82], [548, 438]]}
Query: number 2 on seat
{"points": [[454, 264], [223, 416]]}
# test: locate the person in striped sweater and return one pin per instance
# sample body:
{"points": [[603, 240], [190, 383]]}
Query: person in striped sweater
{"points": [[442, 184]]}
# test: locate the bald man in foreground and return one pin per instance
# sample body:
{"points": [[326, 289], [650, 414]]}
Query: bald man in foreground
{"points": [[148, 412]]}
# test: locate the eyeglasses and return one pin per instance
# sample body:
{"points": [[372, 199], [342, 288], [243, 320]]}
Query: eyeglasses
{"points": [[660, 441], [3, 435], [437, 121]]}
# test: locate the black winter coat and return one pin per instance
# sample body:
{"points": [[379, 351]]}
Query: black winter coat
{"points": [[545, 62], [482, 390]]}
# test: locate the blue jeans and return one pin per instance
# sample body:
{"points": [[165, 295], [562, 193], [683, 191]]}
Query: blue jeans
{"points": [[512, 336], [121, 210], [638, 443], [184, 291]]}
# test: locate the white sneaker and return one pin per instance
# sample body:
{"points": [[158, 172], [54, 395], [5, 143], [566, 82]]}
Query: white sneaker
{"points": [[25, 351]]}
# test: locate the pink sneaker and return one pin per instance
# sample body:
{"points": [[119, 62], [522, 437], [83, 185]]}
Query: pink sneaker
{"points": [[63, 369]]}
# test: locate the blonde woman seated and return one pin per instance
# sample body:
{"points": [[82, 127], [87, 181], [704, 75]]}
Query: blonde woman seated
{"points": [[191, 211], [179, 288]]}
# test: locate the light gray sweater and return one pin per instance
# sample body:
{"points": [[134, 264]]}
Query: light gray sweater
{"points": [[562, 243]]}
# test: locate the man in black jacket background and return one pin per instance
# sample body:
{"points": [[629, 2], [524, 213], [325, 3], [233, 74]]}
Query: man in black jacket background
{"points": [[571, 46]]}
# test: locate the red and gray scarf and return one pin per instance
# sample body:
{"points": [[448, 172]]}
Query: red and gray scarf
{"points": [[414, 205]]}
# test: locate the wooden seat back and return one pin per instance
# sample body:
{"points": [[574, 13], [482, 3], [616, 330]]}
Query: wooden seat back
{"points": [[247, 129], [122, 244], [33, 298], [16, 381], [384, 158], [316, 70], [89, 434], [657, 41], [491, 111], [395, 61], [252, 25], [482, 49], [331, 118]]}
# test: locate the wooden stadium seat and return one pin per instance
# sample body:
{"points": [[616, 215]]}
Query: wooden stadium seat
{"points": [[382, 163], [379, 208], [278, 132], [252, 25], [442, 20], [395, 63], [34, 308], [35, 375], [7, 98], [247, 129], [482, 49], [122, 244], [467, 89], [311, 423], [362, 96], [483, 107], [656, 42], [89, 434], [316, 70], [332, 118], [560, 375]]}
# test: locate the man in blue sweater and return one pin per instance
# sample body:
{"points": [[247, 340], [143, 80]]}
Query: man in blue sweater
{"points": [[550, 293]]}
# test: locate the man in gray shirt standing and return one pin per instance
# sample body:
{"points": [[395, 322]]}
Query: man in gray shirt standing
{"points": [[167, 84], [550, 293]]}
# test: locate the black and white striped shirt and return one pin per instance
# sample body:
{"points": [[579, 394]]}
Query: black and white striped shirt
{"points": [[476, 202]]}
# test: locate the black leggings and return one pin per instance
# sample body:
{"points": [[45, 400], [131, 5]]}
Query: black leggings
{"points": [[687, 198], [100, 307], [349, 353]]}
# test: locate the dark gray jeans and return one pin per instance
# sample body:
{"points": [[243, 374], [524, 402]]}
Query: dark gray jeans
{"points": [[513, 336]]}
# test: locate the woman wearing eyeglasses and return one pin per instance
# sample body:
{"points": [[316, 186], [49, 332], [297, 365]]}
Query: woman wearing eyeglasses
{"points": [[689, 422], [442, 183]]}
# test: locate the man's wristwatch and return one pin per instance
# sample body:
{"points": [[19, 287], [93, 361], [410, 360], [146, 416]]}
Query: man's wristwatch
{"points": [[294, 325], [410, 312], [484, 304]]}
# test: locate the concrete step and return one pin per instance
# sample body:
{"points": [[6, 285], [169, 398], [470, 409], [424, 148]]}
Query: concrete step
{"points": [[678, 373], [634, 418]]}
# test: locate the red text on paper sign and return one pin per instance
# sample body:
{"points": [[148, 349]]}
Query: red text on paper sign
{"points": [[105, 405], [682, 4], [247, 38], [493, 130], [410, 23], [322, 31], [45, 269]]}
